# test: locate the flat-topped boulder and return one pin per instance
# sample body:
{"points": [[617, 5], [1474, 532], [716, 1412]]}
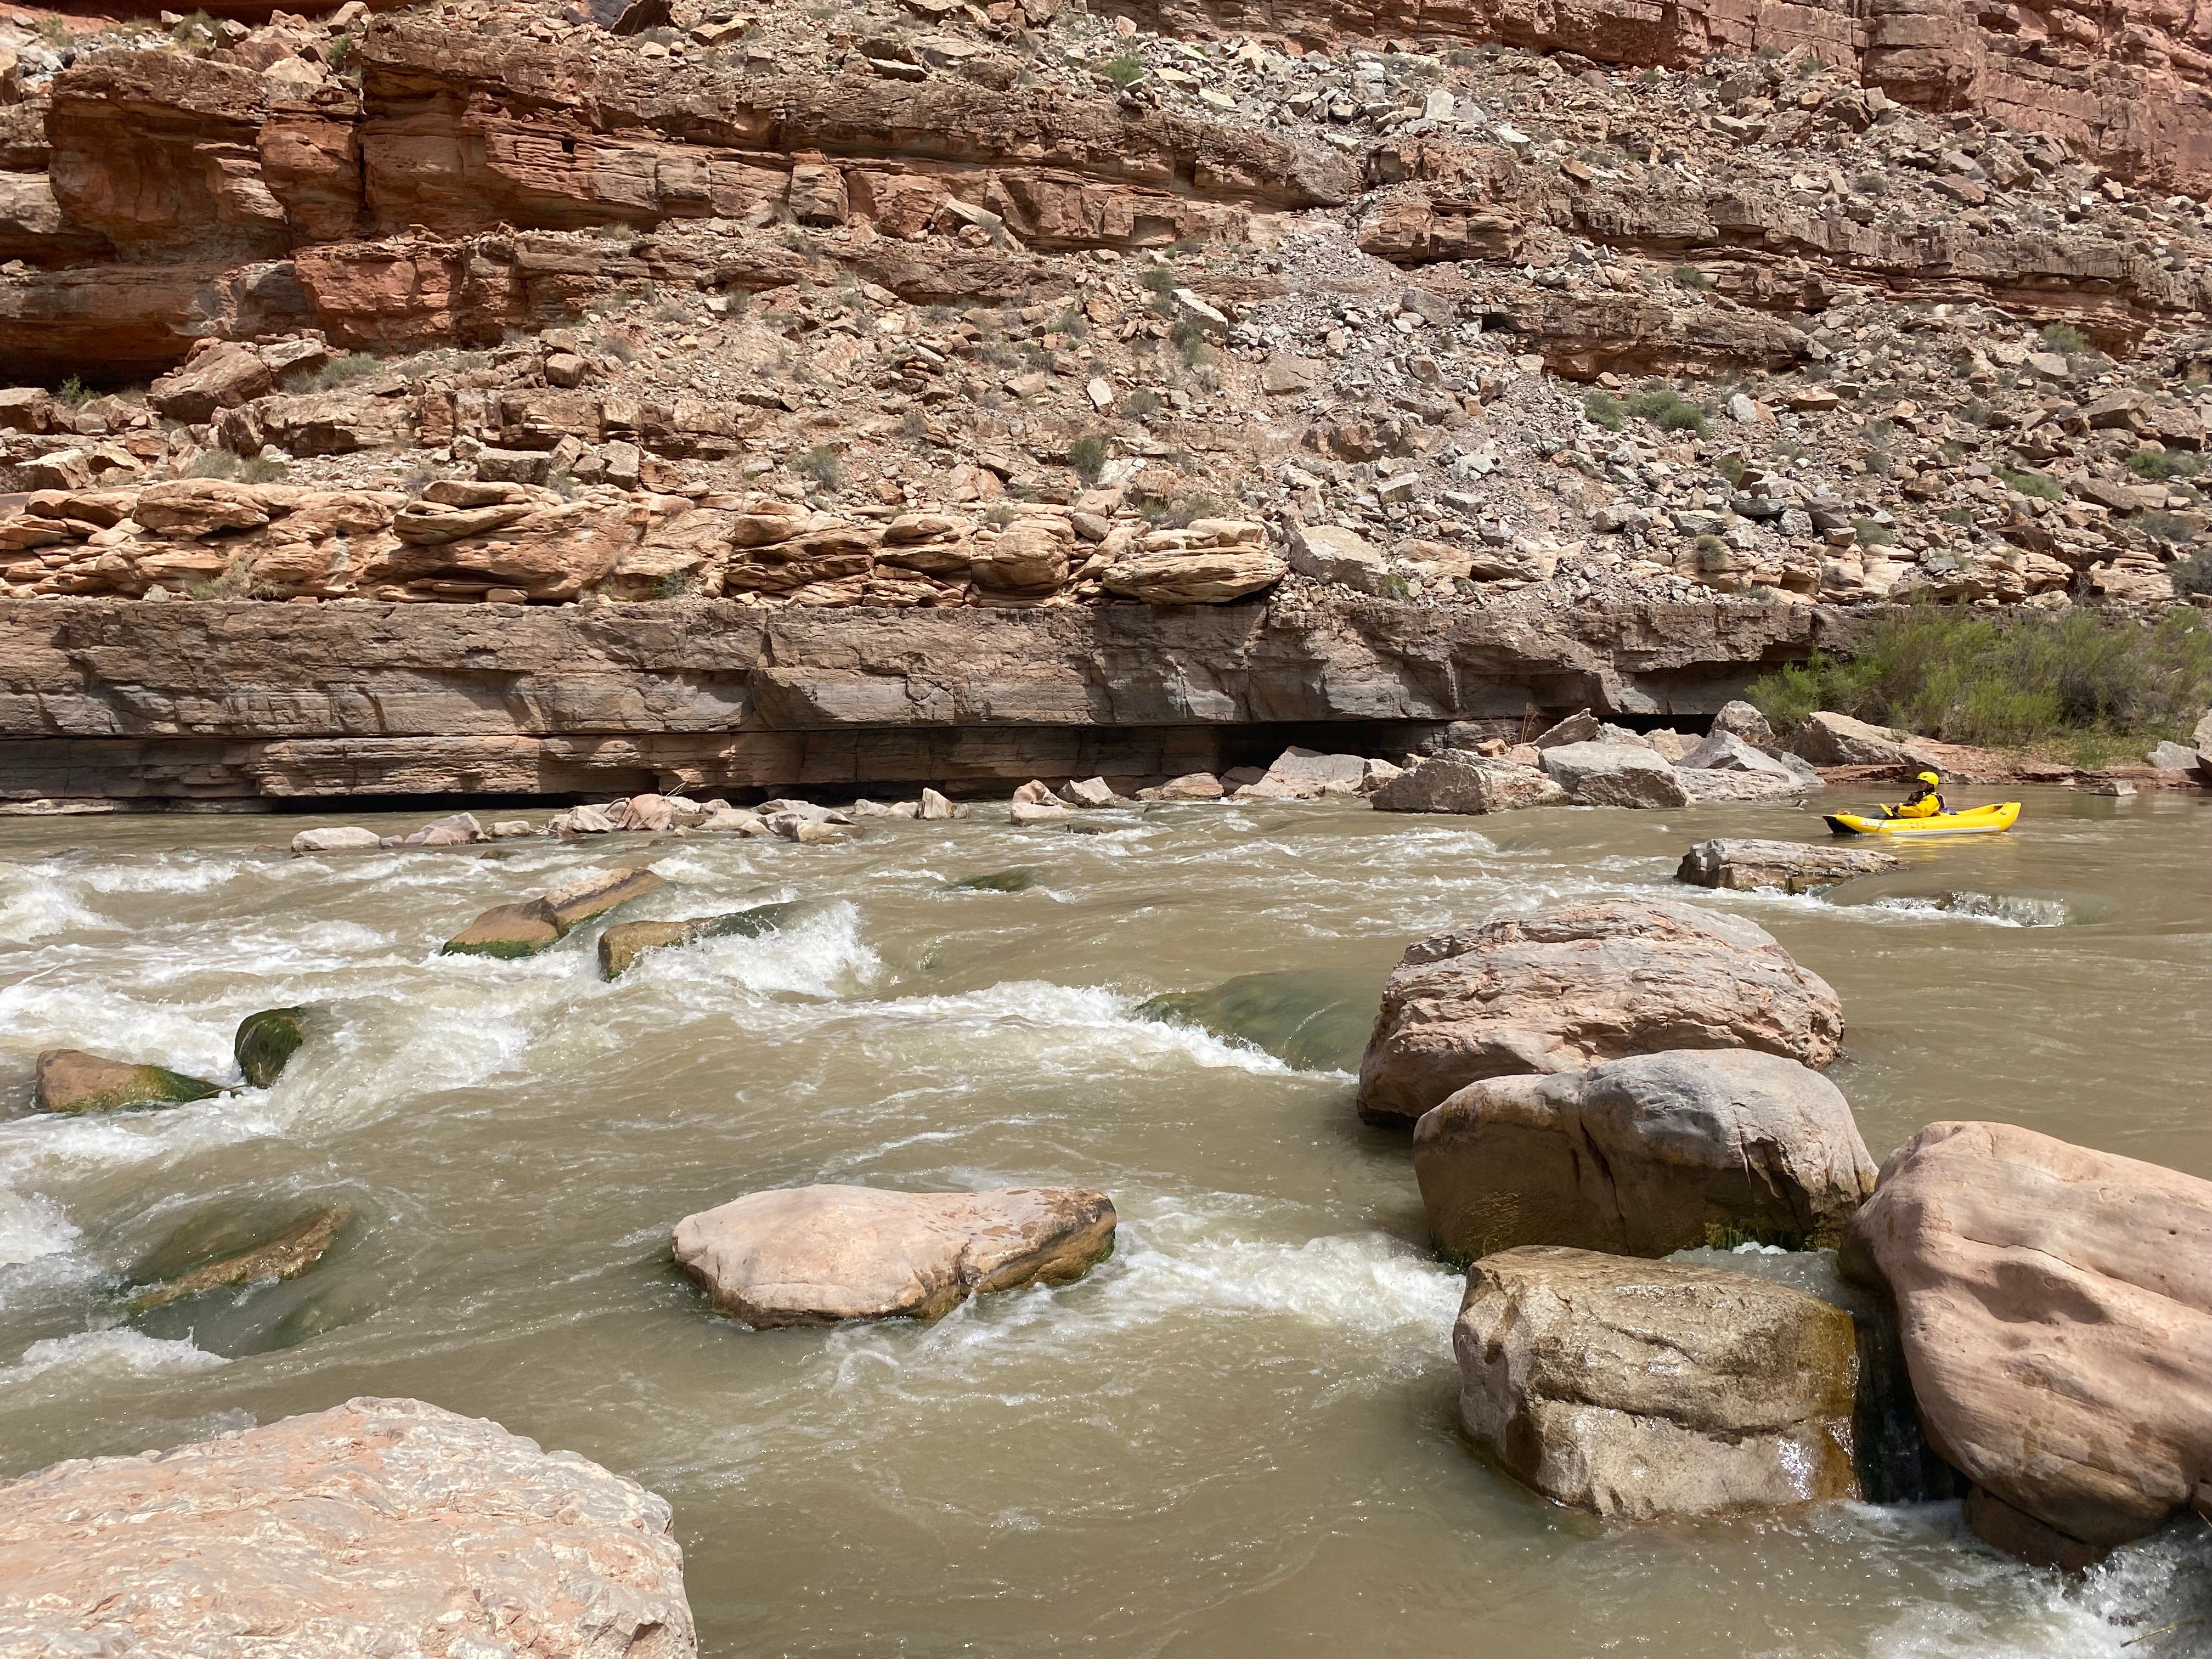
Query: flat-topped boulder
{"points": [[1460, 781], [1559, 989], [72, 1081], [815, 1255], [509, 931], [1744, 866], [2055, 1306], [1647, 1388], [1644, 1155], [1614, 774], [1830, 740], [380, 1527]]}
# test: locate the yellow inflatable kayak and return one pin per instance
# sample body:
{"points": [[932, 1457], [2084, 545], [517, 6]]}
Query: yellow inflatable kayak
{"points": [[1974, 821]]}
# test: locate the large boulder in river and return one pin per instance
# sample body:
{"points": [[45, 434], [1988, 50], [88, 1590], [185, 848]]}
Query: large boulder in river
{"points": [[266, 1042], [1646, 1389], [814, 1255], [507, 930], [1616, 774], [380, 1527], [1644, 1155], [1559, 989], [72, 1081], [621, 944], [1743, 866], [2055, 1305], [285, 1254], [1457, 780]]}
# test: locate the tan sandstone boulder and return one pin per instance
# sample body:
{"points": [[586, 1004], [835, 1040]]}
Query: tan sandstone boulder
{"points": [[2055, 1305], [1645, 1389], [813, 1255], [1743, 866], [379, 1526], [509, 931], [1457, 780], [1559, 989], [72, 1081], [1644, 1155]]}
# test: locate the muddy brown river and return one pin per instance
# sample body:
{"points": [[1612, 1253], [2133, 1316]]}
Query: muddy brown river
{"points": [[1235, 1437]]}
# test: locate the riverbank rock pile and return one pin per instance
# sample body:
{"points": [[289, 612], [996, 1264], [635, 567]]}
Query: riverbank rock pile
{"points": [[1016, 307], [377, 1525], [1585, 762], [817, 1255]]}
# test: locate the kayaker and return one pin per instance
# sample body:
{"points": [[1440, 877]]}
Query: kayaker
{"points": [[1923, 802]]}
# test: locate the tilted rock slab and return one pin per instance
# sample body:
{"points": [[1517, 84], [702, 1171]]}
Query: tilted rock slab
{"points": [[814, 1255], [380, 1527], [507, 930], [1457, 782], [1644, 1155], [1562, 988], [1830, 739], [2056, 1308], [1743, 866], [70, 1080], [1644, 1389]]}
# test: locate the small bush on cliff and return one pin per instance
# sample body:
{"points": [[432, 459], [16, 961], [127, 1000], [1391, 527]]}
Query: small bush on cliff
{"points": [[2172, 527], [1690, 278], [73, 392], [1124, 72], [2193, 575], [1669, 409], [2026, 678], [822, 464], [353, 365], [1603, 408], [2028, 482], [2064, 336], [1087, 456], [2159, 465]]}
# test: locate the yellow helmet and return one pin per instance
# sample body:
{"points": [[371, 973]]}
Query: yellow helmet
{"points": [[1929, 779]]}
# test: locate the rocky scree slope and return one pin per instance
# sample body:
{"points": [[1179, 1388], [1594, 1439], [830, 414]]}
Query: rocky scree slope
{"points": [[1092, 315]]}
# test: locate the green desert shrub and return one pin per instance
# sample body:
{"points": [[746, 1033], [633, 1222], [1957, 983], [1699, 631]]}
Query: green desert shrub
{"points": [[2025, 679]]}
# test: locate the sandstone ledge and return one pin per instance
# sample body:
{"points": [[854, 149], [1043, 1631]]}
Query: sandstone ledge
{"points": [[238, 700]]}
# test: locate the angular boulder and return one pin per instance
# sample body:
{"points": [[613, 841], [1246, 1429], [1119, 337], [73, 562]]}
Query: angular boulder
{"points": [[2055, 1305], [1212, 576], [1740, 720], [1644, 1156], [71, 1081], [1308, 775], [1704, 786], [1831, 739], [815, 1255], [1560, 989], [1646, 1389], [1616, 774], [1723, 751], [1745, 865], [379, 1526], [509, 930], [1458, 780]]}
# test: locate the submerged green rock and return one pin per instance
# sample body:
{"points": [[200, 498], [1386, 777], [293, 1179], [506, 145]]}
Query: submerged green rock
{"points": [[1018, 880], [1313, 1021], [266, 1041], [621, 944], [286, 1253]]}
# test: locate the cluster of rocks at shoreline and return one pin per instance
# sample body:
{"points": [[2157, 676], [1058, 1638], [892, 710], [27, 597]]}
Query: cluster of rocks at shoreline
{"points": [[1597, 1087]]}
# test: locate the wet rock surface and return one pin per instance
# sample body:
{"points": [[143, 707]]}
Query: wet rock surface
{"points": [[375, 1525], [817, 1256], [71, 1081]]}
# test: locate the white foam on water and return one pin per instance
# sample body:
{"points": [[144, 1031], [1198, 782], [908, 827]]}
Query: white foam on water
{"points": [[36, 904], [2002, 1609], [161, 872], [32, 1226], [90, 1357], [1071, 1028], [1992, 909], [821, 956]]}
